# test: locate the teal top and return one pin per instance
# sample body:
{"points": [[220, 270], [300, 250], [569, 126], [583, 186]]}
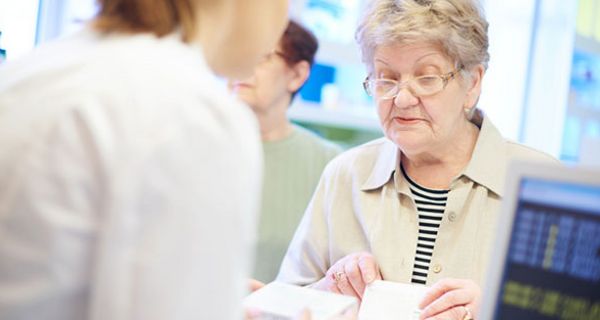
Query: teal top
{"points": [[293, 167]]}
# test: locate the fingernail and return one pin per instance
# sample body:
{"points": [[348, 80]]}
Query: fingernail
{"points": [[369, 277]]}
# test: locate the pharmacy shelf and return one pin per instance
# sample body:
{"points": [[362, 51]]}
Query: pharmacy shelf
{"points": [[357, 117], [336, 54]]}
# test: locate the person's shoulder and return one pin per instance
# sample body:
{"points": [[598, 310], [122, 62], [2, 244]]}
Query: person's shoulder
{"points": [[53, 81], [165, 78], [520, 151], [132, 84], [316, 142], [46, 65], [510, 149], [360, 160]]}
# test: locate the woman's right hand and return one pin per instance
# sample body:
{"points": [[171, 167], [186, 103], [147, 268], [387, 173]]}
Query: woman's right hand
{"points": [[254, 284], [350, 275]]}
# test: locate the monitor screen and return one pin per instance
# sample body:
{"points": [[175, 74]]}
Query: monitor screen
{"points": [[552, 269]]}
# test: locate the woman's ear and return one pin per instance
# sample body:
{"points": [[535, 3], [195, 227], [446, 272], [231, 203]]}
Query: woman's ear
{"points": [[474, 86], [299, 74]]}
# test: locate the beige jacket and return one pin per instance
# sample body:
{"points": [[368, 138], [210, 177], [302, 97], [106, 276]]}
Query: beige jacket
{"points": [[363, 203]]}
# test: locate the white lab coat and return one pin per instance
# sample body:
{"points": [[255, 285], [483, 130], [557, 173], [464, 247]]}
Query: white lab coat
{"points": [[129, 183]]}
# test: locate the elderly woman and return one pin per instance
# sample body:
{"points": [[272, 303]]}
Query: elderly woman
{"points": [[420, 205]]}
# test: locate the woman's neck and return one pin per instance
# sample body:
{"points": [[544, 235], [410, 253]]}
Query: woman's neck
{"points": [[437, 167], [274, 124]]}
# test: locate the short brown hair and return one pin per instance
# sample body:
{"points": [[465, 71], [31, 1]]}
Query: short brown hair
{"points": [[298, 44], [159, 17]]}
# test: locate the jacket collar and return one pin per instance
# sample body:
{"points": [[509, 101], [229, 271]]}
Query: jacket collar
{"points": [[488, 163], [487, 166], [385, 164]]}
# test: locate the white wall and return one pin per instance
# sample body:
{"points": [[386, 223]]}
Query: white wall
{"points": [[61, 17], [19, 22], [552, 56], [503, 93], [525, 90], [18, 26]]}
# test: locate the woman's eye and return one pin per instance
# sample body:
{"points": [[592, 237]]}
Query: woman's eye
{"points": [[428, 81], [386, 75]]}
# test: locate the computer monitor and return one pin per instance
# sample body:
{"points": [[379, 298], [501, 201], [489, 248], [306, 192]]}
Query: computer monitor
{"points": [[547, 256]]}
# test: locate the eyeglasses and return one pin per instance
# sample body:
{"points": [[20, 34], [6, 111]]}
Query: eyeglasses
{"points": [[428, 85]]}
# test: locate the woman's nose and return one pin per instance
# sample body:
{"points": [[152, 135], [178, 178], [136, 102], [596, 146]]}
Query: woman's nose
{"points": [[405, 98]]}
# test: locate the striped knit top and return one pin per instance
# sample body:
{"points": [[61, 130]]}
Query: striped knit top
{"points": [[430, 206]]}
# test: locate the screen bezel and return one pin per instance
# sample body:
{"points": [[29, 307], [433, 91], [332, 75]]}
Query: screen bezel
{"points": [[517, 171]]}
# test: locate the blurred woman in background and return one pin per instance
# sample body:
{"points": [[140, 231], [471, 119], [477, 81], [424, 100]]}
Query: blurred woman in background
{"points": [[294, 157]]}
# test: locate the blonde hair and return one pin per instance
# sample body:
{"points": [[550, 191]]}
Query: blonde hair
{"points": [[159, 17], [458, 26]]}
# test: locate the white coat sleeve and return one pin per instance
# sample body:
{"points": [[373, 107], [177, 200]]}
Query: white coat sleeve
{"points": [[103, 220], [176, 239]]}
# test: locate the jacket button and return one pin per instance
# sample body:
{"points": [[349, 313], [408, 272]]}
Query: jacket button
{"points": [[452, 216], [437, 268]]}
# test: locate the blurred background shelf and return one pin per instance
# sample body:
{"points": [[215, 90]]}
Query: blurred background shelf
{"points": [[346, 126], [542, 87], [362, 118]]}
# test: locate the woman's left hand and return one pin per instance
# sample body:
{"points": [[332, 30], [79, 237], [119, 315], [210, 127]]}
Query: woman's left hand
{"points": [[452, 299], [254, 284]]}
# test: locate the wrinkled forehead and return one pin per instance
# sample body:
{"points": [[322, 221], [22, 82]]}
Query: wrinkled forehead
{"points": [[410, 56]]}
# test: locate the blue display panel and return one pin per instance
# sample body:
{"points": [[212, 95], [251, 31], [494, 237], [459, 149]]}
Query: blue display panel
{"points": [[553, 263]]}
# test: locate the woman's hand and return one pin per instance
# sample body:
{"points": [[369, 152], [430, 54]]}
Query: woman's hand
{"points": [[350, 275], [254, 284], [452, 299]]}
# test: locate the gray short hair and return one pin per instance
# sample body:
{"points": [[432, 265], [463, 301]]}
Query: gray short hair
{"points": [[458, 26]]}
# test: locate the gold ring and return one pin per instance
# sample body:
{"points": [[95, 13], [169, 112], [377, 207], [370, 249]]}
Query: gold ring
{"points": [[468, 315], [338, 275]]}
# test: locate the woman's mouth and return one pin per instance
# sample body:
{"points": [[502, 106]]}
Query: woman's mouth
{"points": [[406, 120]]}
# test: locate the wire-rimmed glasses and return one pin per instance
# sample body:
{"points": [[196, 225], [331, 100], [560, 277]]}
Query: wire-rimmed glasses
{"points": [[422, 86]]}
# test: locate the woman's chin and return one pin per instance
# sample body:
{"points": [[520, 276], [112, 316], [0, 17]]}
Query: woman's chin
{"points": [[407, 141]]}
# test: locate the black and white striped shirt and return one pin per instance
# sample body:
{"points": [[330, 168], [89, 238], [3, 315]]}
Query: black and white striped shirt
{"points": [[430, 206]]}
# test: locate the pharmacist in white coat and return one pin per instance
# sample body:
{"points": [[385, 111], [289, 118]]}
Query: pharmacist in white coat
{"points": [[129, 179]]}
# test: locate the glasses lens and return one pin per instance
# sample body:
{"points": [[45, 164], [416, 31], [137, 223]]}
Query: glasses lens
{"points": [[427, 85], [383, 89], [420, 86]]}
